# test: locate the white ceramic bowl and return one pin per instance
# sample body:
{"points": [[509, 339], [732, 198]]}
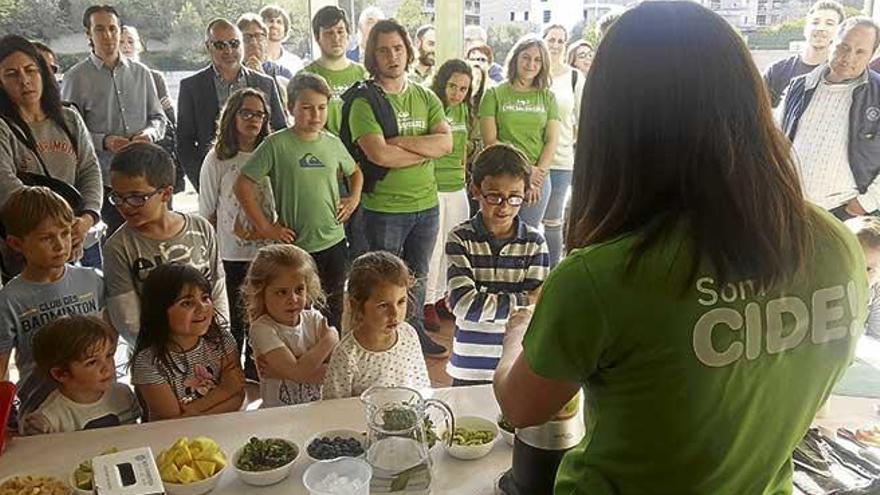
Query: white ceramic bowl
{"points": [[197, 487], [506, 435], [265, 478], [344, 433], [470, 452], [77, 491]]}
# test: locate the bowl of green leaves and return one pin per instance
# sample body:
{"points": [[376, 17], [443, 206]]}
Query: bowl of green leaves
{"points": [[265, 461]]}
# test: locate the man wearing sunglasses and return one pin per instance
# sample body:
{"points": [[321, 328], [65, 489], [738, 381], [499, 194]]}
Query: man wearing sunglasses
{"points": [[203, 94]]}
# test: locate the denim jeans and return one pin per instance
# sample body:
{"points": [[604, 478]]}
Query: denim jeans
{"points": [[236, 271], [533, 213], [93, 257], [554, 216], [410, 236], [332, 269]]}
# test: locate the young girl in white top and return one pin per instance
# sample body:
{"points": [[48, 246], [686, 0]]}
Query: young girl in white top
{"points": [[379, 347], [290, 338]]}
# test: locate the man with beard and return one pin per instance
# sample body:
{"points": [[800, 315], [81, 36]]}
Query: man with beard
{"points": [[204, 93], [822, 20], [832, 116], [401, 208], [426, 45], [278, 23]]}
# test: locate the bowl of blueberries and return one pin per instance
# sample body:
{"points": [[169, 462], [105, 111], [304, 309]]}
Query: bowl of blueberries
{"points": [[332, 444]]}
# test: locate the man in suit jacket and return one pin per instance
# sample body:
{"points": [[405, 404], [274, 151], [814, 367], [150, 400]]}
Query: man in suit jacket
{"points": [[203, 94]]}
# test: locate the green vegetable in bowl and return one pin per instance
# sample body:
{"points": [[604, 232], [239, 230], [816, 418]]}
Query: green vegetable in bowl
{"points": [[466, 436], [263, 455], [83, 475], [505, 425]]}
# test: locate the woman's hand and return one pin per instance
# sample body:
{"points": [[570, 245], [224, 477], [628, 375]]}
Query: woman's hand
{"points": [[78, 231], [535, 185]]}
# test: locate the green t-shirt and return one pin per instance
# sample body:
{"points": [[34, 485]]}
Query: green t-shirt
{"points": [[449, 169], [403, 190], [705, 391], [520, 117], [303, 176], [339, 81]]}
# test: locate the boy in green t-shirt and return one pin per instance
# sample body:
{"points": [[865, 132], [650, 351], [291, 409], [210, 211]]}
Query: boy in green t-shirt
{"points": [[401, 209], [302, 163]]}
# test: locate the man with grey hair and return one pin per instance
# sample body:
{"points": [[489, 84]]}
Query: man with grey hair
{"points": [[368, 18], [204, 93], [832, 116], [255, 35], [475, 35]]}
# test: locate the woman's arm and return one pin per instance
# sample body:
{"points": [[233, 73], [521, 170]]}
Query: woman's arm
{"points": [[515, 380], [488, 130], [551, 138]]}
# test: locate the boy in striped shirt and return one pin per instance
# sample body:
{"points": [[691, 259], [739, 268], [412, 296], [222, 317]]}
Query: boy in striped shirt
{"points": [[495, 263]]}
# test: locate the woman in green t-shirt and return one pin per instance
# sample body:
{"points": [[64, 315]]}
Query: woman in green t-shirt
{"points": [[452, 85], [705, 308], [522, 111]]}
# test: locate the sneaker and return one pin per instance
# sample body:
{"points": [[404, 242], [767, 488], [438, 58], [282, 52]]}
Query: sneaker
{"points": [[432, 321], [442, 310], [431, 348]]}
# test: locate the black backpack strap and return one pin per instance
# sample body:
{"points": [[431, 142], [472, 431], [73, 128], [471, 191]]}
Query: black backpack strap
{"points": [[574, 81]]}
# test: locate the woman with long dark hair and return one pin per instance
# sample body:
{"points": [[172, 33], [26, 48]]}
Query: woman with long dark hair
{"points": [[40, 135], [452, 84], [705, 308], [522, 111], [243, 125]]}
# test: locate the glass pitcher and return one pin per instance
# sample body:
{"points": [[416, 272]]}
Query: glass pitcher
{"points": [[399, 436]]}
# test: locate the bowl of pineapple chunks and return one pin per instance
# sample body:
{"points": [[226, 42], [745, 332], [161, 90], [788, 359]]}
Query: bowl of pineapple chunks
{"points": [[191, 467]]}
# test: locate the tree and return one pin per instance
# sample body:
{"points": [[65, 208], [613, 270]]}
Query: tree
{"points": [[504, 36], [411, 15], [34, 19]]}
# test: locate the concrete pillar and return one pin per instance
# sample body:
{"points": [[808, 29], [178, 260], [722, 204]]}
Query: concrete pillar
{"points": [[449, 22]]}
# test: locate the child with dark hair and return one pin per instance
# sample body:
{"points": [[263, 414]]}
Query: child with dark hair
{"points": [[185, 362], [38, 225], [496, 262], [142, 182], [77, 352]]}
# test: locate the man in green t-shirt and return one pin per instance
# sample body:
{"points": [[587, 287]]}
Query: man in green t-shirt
{"points": [[303, 163], [332, 30], [401, 208]]}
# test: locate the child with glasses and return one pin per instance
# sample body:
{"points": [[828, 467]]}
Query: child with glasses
{"points": [[243, 126], [496, 262], [141, 180]]}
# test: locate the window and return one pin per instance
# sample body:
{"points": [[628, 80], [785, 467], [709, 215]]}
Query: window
{"points": [[526, 15], [761, 20], [547, 16], [512, 16]]}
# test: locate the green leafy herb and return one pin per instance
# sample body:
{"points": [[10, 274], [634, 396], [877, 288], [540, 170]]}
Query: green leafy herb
{"points": [[263, 455]]}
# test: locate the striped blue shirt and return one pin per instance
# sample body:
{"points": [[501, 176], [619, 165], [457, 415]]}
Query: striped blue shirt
{"points": [[487, 279]]}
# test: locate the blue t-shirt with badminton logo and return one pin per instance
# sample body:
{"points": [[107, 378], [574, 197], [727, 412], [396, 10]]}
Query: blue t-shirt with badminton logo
{"points": [[26, 307], [304, 182], [695, 387]]}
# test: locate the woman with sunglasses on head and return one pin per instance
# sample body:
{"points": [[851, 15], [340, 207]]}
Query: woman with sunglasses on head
{"points": [[39, 135], [580, 56], [705, 308], [522, 112], [567, 86], [243, 126]]}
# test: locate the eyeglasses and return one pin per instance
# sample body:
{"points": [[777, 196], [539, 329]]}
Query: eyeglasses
{"points": [[135, 200], [250, 115], [481, 60], [584, 55], [253, 37], [222, 45], [497, 199]]}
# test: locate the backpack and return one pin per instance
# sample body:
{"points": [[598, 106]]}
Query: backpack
{"points": [[384, 113]]}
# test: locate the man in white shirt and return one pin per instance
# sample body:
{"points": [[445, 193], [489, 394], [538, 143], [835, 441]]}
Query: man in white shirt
{"points": [[278, 22], [832, 116]]}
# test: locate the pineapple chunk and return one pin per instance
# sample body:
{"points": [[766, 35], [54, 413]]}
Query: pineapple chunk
{"points": [[206, 468]]}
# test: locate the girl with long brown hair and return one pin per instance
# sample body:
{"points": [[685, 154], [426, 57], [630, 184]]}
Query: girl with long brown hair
{"points": [[705, 308], [243, 126]]}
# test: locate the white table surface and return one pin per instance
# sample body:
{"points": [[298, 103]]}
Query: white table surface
{"points": [[58, 455]]}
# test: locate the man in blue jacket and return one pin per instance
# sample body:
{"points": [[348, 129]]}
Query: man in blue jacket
{"points": [[204, 93], [832, 116]]}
